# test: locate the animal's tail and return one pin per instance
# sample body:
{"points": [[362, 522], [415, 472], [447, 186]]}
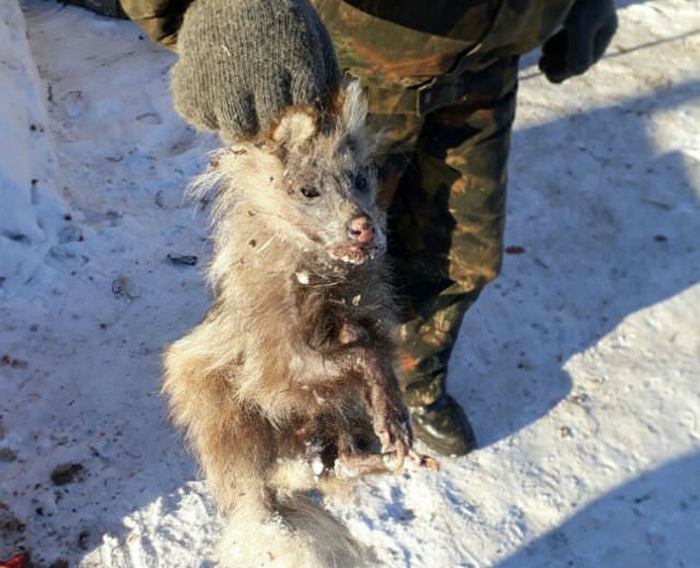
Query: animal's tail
{"points": [[298, 534]]}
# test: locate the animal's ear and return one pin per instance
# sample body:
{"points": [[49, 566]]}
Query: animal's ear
{"points": [[349, 111], [294, 127], [354, 107]]}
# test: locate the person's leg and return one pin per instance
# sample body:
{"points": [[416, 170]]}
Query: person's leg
{"points": [[446, 228]]}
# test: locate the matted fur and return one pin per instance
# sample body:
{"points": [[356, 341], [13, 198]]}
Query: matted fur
{"points": [[295, 354]]}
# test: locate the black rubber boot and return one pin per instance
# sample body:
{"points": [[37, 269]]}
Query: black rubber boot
{"points": [[443, 427]]}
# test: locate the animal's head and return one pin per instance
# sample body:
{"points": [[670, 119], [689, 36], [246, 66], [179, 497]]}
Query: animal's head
{"points": [[310, 182]]}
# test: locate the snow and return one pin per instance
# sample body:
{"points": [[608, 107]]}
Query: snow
{"points": [[579, 367], [30, 209]]}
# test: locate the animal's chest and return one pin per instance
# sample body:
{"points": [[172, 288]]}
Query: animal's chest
{"points": [[325, 313]]}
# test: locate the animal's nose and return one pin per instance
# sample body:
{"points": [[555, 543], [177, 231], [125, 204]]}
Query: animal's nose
{"points": [[360, 229]]}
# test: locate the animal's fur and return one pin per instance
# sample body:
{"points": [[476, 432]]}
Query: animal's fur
{"points": [[290, 373]]}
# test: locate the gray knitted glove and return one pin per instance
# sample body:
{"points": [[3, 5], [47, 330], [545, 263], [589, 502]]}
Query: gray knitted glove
{"points": [[242, 61]]}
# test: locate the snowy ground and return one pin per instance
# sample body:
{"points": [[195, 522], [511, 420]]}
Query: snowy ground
{"points": [[580, 367]]}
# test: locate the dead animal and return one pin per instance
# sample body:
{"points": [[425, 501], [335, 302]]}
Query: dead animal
{"points": [[287, 383]]}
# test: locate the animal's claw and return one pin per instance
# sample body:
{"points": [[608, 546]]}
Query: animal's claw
{"points": [[393, 429]]}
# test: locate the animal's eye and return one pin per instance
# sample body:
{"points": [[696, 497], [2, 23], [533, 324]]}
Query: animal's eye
{"points": [[361, 182], [309, 192]]}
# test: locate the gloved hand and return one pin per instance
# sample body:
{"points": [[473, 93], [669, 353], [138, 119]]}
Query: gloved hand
{"points": [[587, 31], [242, 61]]}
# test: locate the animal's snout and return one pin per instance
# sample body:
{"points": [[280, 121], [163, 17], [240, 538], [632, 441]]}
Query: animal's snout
{"points": [[360, 230]]}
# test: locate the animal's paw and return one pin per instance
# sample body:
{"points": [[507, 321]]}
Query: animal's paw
{"points": [[392, 425]]}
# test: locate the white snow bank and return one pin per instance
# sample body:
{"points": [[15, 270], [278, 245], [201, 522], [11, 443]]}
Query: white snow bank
{"points": [[30, 209]]}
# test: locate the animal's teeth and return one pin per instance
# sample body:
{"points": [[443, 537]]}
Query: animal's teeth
{"points": [[317, 466], [302, 277]]}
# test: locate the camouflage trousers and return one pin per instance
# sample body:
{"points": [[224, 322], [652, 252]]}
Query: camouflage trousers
{"points": [[441, 81], [444, 184]]}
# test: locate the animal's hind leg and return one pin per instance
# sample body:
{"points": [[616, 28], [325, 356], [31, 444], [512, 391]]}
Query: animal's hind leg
{"points": [[235, 449], [234, 445]]}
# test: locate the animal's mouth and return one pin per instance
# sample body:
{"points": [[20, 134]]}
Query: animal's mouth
{"points": [[353, 253]]}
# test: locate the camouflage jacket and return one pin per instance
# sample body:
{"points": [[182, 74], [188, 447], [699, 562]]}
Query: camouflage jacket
{"points": [[406, 39]]}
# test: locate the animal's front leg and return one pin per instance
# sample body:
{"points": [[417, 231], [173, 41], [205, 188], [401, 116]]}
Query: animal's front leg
{"points": [[390, 418], [384, 404]]}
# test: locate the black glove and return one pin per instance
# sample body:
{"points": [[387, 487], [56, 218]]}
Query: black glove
{"points": [[587, 31]]}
